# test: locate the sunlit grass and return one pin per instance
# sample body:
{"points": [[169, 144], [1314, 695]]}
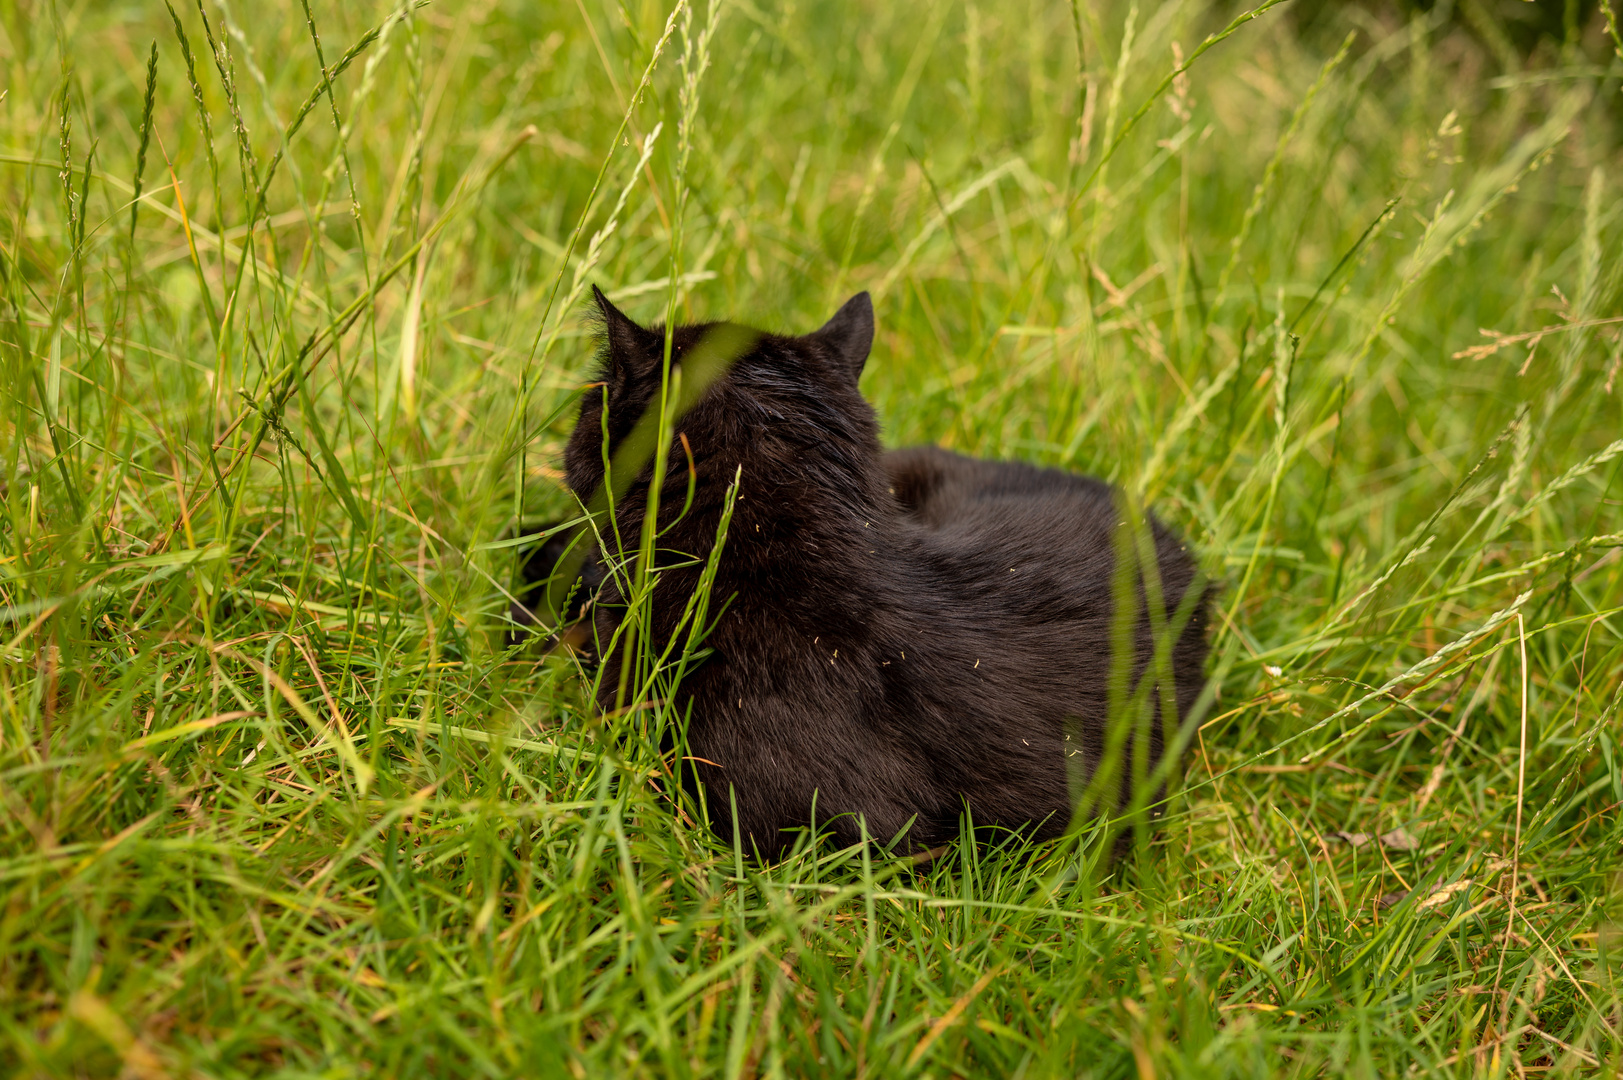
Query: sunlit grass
{"points": [[277, 799]]}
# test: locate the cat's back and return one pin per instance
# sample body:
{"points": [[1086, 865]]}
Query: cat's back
{"points": [[1018, 536], [937, 487], [978, 510]]}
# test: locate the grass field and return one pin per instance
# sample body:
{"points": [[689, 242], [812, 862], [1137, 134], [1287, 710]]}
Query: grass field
{"points": [[1340, 297]]}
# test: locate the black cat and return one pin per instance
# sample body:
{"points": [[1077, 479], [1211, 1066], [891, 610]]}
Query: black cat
{"points": [[906, 633]]}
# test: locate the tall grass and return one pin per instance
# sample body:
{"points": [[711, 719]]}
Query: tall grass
{"points": [[292, 319]]}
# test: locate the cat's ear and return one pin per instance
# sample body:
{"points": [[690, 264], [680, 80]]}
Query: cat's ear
{"points": [[849, 334], [630, 346]]}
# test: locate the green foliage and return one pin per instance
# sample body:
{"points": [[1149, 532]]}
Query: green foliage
{"points": [[1340, 298]]}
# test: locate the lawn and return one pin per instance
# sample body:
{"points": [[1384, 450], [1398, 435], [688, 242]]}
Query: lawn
{"points": [[293, 312]]}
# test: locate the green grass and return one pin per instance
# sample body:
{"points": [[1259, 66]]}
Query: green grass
{"points": [[276, 801]]}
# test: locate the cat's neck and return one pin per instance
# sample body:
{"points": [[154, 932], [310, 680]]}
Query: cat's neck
{"points": [[806, 547]]}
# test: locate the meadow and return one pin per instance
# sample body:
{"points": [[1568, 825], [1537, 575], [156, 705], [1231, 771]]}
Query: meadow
{"points": [[293, 316]]}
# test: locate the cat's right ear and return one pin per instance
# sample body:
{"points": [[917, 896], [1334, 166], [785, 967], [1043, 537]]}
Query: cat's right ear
{"points": [[630, 354], [849, 334]]}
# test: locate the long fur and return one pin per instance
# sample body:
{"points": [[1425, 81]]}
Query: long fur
{"points": [[907, 634]]}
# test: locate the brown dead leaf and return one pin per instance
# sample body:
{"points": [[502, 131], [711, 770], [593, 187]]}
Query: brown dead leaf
{"points": [[1395, 840], [1399, 840], [1443, 894]]}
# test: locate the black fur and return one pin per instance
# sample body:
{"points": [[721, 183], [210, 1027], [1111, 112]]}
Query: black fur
{"points": [[536, 574], [908, 633]]}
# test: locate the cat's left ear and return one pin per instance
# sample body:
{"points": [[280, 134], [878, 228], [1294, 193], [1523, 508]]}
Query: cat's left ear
{"points": [[631, 349], [849, 334]]}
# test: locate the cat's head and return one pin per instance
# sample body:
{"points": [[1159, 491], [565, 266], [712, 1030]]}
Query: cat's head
{"points": [[787, 409]]}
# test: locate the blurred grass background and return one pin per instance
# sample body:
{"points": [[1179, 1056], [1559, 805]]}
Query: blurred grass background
{"points": [[1339, 296]]}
